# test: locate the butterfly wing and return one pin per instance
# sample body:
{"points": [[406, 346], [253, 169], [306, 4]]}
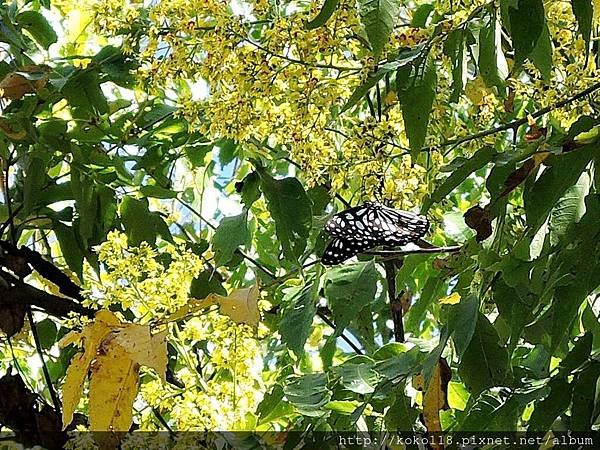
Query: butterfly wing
{"points": [[339, 249], [369, 225], [415, 224], [349, 223]]}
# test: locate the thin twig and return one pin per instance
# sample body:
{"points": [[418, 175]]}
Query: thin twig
{"points": [[518, 122], [299, 61], [163, 422], [451, 249], [38, 347], [328, 321], [237, 250]]}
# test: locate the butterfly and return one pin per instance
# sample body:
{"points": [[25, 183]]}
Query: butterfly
{"points": [[370, 225]]}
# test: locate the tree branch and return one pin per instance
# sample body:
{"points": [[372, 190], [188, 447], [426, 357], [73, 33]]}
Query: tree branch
{"points": [[28, 295], [395, 303], [450, 249], [518, 122]]}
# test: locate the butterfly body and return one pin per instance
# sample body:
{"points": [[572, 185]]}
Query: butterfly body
{"points": [[370, 225]]}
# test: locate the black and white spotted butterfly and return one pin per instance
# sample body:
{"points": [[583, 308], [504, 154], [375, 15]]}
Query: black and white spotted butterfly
{"points": [[370, 225]]}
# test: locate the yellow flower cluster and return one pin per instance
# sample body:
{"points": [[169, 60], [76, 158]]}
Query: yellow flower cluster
{"points": [[223, 381], [280, 88], [137, 280], [573, 70], [253, 72], [223, 378]]}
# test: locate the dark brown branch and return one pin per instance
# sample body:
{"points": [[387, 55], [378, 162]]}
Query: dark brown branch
{"points": [[28, 295], [395, 302], [515, 124], [45, 268]]}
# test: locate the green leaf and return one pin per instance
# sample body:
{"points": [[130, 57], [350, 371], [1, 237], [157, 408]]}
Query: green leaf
{"points": [[454, 49], [207, 282], [157, 114], [349, 288], [433, 289], [47, 333], [541, 56], [249, 189], [499, 409], [83, 192], [116, 66], [401, 415], [421, 14], [583, 11], [478, 416], [196, 153], [404, 59], [569, 208], [479, 159], [358, 375], [37, 25], [157, 192], [35, 179], [485, 361], [378, 17], [69, 247], [308, 393], [343, 407], [140, 223], [231, 233], [462, 322], [273, 407], [82, 91], [296, 323], [527, 22], [578, 355], [228, 151], [564, 171], [321, 19], [492, 64], [290, 208], [416, 99], [584, 398], [362, 90], [406, 363], [554, 404]]}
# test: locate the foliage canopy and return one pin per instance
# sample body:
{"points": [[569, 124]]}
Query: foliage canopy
{"points": [[167, 169]]}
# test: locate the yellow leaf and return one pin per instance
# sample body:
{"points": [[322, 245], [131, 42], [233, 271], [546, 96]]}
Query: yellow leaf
{"points": [[241, 306], [146, 350], [435, 397], [113, 388], [451, 299], [71, 392], [72, 337], [29, 78], [107, 317], [91, 337]]}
